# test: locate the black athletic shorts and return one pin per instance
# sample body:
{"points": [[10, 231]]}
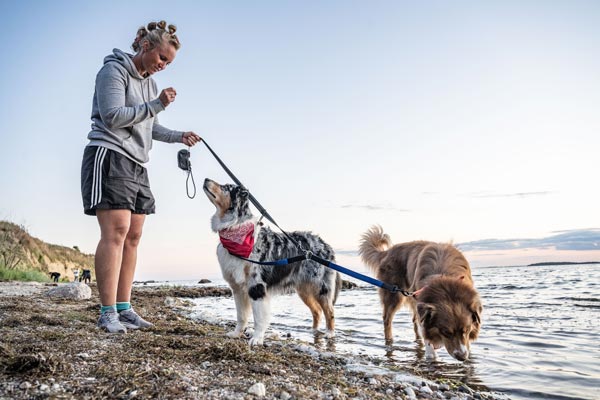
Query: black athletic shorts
{"points": [[111, 181]]}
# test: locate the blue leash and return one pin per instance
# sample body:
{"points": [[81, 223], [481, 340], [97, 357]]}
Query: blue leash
{"points": [[361, 277], [309, 255]]}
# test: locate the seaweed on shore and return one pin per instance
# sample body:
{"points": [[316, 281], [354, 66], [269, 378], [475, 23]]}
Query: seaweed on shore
{"points": [[51, 349]]}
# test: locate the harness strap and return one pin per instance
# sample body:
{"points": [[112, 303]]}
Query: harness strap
{"points": [[285, 261]]}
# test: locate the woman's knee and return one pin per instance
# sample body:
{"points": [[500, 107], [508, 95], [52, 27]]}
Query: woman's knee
{"points": [[135, 230], [116, 234], [114, 226], [133, 238]]}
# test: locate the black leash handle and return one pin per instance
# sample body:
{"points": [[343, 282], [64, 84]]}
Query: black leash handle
{"points": [[183, 161], [187, 187]]}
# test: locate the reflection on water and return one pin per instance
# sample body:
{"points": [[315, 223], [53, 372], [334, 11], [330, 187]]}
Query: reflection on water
{"points": [[323, 343], [539, 337]]}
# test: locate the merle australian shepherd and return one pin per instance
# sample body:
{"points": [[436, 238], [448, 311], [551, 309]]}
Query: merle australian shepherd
{"points": [[446, 307], [253, 285]]}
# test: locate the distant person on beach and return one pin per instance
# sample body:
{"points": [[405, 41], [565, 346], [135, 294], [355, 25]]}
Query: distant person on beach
{"points": [[55, 276], [114, 181], [76, 275], [86, 276]]}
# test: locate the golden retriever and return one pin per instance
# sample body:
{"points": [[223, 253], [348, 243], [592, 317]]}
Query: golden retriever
{"points": [[446, 307]]}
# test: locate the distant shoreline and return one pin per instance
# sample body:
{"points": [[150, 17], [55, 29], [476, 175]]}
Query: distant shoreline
{"points": [[541, 264], [561, 263]]}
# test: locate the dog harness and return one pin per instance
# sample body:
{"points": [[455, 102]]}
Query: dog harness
{"points": [[238, 240]]}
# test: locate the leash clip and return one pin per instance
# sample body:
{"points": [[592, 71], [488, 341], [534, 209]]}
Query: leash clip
{"points": [[403, 292], [308, 255]]}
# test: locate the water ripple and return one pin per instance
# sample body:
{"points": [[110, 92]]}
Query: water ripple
{"points": [[533, 344]]}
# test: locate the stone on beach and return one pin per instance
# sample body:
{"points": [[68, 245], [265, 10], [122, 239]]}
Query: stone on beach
{"points": [[72, 291], [258, 389]]}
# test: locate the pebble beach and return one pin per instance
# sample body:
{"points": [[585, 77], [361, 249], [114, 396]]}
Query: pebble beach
{"points": [[50, 348]]}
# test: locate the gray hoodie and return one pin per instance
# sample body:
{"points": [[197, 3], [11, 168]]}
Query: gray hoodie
{"points": [[125, 109]]}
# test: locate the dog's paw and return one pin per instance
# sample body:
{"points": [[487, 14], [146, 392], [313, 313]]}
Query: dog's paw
{"points": [[256, 341], [330, 334], [234, 334]]}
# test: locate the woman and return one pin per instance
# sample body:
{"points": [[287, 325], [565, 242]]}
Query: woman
{"points": [[114, 181]]}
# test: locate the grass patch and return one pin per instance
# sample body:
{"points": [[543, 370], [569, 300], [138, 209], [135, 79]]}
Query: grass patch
{"points": [[25, 275]]}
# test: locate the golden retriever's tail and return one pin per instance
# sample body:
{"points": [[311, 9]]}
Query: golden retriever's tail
{"points": [[373, 246]]}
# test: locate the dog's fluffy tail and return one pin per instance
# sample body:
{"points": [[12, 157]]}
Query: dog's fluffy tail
{"points": [[373, 246], [338, 286]]}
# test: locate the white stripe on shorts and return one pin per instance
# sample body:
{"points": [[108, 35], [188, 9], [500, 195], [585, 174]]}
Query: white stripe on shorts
{"points": [[97, 177]]}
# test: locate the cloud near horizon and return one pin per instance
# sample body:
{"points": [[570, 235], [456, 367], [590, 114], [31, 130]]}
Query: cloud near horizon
{"points": [[575, 240], [374, 207], [482, 195]]}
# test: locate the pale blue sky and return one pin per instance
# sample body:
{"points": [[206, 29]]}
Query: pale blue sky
{"points": [[463, 121]]}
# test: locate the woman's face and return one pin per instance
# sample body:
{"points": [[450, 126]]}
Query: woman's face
{"points": [[157, 59]]}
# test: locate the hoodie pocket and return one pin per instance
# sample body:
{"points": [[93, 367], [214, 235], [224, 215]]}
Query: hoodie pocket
{"points": [[127, 135]]}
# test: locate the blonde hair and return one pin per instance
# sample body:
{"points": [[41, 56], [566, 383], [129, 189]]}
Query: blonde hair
{"points": [[156, 33]]}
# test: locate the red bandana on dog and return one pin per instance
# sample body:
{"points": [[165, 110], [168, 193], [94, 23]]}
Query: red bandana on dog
{"points": [[238, 240]]}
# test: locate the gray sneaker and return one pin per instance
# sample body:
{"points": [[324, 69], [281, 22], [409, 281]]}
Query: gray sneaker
{"points": [[109, 321], [131, 320]]}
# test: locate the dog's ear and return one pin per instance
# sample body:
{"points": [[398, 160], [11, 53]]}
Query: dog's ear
{"points": [[426, 312], [476, 309], [244, 193]]}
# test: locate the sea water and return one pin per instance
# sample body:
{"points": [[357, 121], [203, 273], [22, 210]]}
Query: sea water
{"points": [[540, 337]]}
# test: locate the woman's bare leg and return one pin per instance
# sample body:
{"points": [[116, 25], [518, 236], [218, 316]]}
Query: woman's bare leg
{"points": [[114, 226], [129, 260]]}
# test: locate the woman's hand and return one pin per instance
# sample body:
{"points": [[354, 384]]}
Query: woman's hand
{"points": [[190, 138], [167, 96]]}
